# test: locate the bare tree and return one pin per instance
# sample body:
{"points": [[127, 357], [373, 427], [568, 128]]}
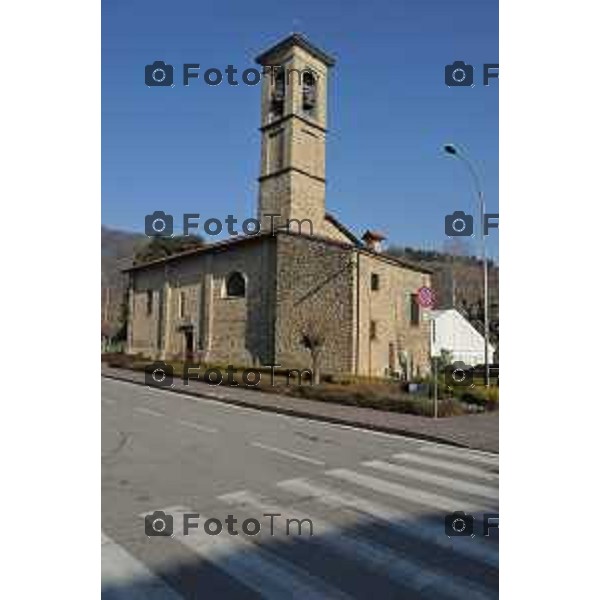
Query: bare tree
{"points": [[313, 340]]}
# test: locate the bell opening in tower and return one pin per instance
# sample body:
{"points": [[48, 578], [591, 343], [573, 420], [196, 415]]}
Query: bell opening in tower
{"points": [[278, 94], [309, 92]]}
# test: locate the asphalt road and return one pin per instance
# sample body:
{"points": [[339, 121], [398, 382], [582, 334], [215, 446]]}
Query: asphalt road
{"points": [[376, 504]]}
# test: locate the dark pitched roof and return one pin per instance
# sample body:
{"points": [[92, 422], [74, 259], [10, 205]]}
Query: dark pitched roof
{"points": [[295, 39], [223, 245], [341, 227], [216, 246]]}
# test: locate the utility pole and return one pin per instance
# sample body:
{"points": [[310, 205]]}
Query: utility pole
{"points": [[452, 150]]}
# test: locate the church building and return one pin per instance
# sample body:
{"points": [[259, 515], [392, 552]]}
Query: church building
{"points": [[254, 300]]}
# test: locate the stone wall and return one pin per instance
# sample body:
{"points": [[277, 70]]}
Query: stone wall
{"points": [[389, 309], [225, 330], [314, 295], [242, 328], [297, 197], [143, 323]]}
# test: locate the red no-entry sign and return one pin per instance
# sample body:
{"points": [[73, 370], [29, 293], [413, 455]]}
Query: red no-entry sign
{"points": [[425, 297]]}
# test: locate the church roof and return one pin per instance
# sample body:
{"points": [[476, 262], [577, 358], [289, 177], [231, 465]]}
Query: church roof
{"points": [[210, 247], [295, 39], [341, 227], [223, 245]]}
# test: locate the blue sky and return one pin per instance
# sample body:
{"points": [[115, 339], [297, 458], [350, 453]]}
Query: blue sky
{"points": [[196, 149]]}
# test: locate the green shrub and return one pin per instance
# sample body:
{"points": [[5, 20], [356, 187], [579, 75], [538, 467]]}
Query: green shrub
{"points": [[377, 396], [348, 390], [479, 395], [118, 361]]}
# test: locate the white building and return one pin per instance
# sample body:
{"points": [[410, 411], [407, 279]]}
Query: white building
{"points": [[451, 331]]}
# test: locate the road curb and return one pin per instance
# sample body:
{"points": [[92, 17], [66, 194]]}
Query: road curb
{"points": [[311, 416]]}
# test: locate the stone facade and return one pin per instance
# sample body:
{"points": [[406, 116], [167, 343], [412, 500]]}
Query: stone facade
{"points": [[294, 285], [390, 337], [249, 301], [190, 300], [315, 296]]}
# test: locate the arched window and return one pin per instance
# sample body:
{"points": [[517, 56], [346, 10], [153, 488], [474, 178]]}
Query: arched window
{"points": [[309, 91], [235, 286], [278, 94]]}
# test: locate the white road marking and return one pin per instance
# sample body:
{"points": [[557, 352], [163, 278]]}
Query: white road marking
{"points": [[457, 467], [263, 571], [197, 426], [462, 454], [416, 495], [108, 400], [127, 578], [149, 411], [369, 554], [396, 520], [288, 454], [452, 483]]}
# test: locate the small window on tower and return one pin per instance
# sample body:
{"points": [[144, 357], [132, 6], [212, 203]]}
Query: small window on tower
{"points": [[374, 282], [309, 92]]}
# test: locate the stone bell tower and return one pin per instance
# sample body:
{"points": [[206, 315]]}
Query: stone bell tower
{"points": [[293, 127]]}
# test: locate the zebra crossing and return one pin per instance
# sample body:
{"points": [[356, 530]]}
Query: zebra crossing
{"points": [[119, 569], [378, 531]]}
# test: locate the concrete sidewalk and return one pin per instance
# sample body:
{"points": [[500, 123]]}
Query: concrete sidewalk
{"points": [[478, 431]]}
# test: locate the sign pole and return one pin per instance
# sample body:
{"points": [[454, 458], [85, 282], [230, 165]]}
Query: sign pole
{"points": [[435, 387]]}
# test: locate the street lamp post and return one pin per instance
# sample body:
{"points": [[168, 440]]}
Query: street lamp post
{"points": [[452, 150]]}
